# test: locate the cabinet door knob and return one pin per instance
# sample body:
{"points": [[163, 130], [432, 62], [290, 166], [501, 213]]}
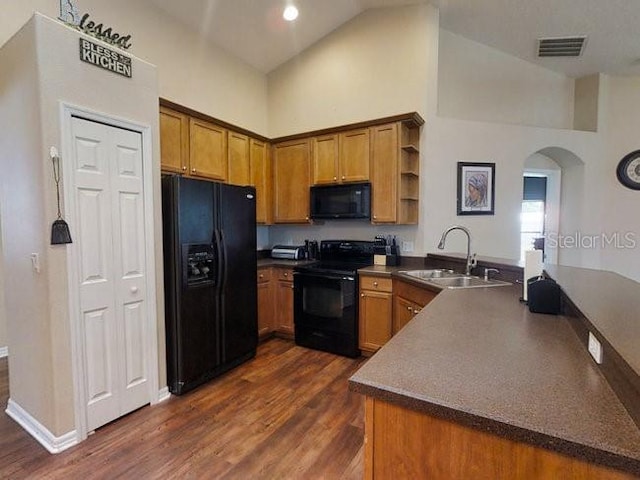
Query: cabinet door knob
{"points": [[416, 311], [343, 177], [375, 217], [375, 284], [291, 287], [260, 276], [362, 295], [286, 274], [134, 289], [184, 168], [410, 309], [193, 170], [335, 178]]}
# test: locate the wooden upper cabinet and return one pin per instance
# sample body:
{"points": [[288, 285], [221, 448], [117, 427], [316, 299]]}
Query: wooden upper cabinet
{"points": [[208, 150], [384, 173], [354, 156], [325, 159], [291, 168], [342, 157], [261, 178], [174, 141], [239, 163]]}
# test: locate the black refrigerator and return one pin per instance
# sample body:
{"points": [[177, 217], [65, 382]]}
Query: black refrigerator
{"points": [[210, 279]]}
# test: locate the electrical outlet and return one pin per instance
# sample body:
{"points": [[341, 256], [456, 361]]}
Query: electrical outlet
{"points": [[407, 247], [595, 348]]}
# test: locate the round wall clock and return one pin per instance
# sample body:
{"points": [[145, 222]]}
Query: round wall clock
{"points": [[628, 170]]}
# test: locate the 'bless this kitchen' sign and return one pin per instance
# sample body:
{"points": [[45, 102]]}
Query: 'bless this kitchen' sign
{"points": [[105, 58]]}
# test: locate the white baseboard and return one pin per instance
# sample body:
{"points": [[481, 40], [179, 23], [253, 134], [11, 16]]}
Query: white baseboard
{"points": [[38, 431], [4, 352], [163, 394]]}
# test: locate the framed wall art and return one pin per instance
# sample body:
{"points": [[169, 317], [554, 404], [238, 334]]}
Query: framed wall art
{"points": [[476, 194]]}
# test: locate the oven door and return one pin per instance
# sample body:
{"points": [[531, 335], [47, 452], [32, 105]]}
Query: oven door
{"points": [[326, 312]]}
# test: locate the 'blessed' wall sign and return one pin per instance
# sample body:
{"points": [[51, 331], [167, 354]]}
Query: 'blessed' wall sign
{"points": [[70, 15]]}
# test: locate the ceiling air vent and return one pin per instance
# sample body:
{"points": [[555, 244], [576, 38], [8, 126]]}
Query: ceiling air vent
{"points": [[561, 46]]}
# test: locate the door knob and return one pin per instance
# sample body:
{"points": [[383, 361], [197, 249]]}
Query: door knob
{"points": [[193, 170], [184, 168], [375, 284], [410, 309], [134, 289]]}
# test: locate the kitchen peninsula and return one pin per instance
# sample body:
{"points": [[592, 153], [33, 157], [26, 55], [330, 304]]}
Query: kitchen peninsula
{"points": [[476, 386]]}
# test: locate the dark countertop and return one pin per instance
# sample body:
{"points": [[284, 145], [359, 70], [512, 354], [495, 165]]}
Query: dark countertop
{"points": [[480, 358], [610, 301], [380, 270], [277, 262]]}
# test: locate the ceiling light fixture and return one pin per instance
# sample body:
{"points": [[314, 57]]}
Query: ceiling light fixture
{"points": [[290, 13]]}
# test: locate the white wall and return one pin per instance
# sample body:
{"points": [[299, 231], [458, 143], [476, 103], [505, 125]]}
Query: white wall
{"points": [[587, 90], [508, 146], [3, 313], [191, 71], [622, 114], [477, 82], [22, 198], [37, 304], [373, 66]]}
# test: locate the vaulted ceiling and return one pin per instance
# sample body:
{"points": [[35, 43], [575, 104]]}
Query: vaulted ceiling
{"points": [[254, 30]]}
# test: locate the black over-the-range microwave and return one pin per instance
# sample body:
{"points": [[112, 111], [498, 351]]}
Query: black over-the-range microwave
{"points": [[341, 201]]}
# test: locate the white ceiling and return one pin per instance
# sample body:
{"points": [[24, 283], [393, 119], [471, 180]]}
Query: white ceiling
{"points": [[254, 30]]}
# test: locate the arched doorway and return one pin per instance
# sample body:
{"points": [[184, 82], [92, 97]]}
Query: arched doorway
{"points": [[551, 201]]}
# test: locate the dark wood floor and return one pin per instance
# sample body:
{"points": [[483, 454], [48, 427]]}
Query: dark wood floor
{"points": [[286, 414]]}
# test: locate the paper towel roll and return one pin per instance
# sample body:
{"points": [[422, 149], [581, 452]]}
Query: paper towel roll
{"points": [[532, 268]]}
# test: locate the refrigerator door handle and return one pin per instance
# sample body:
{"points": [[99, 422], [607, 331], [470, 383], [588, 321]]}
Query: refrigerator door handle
{"points": [[222, 259]]}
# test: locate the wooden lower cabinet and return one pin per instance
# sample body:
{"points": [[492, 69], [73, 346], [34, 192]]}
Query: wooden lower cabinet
{"points": [[408, 300], [376, 312], [275, 302], [284, 302], [266, 303], [402, 443]]}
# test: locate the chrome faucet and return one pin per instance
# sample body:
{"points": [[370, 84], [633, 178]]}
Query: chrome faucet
{"points": [[471, 259]]}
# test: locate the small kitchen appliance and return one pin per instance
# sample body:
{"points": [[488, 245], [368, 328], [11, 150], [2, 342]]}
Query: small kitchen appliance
{"points": [[288, 252]]}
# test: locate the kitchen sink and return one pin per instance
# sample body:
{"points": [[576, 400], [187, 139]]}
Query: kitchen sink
{"points": [[452, 280], [464, 281], [429, 274]]}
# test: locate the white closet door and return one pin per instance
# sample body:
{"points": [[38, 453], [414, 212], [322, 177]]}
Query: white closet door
{"points": [[110, 239]]}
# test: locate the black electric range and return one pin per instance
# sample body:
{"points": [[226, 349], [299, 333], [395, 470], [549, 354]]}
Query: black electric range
{"points": [[326, 297]]}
